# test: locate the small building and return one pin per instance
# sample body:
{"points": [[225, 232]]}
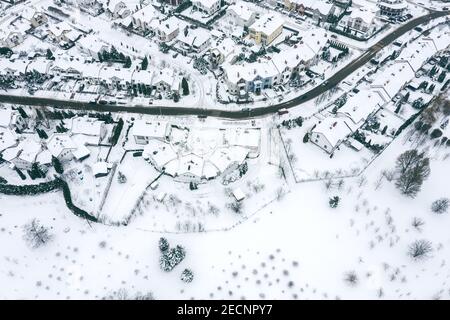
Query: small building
{"points": [[166, 30], [118, 9], [36, 18], [392, 8], [100, 169], [361, 23], [194, 40], [238, 194]]}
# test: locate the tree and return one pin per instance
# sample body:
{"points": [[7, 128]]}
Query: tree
{"points": [[187, 275], [185, 86], [351, 278], [163, 244], [127, 63], [440, 206], [171, 258], [436, 133], [121, 178], [334, 202], [57, 165], [35, 234], [306, 138], [49, 55], [176, 97], [144, 63], [412, 168], [420, 249]]}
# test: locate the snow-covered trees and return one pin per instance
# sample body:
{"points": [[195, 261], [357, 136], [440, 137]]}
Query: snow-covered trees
{"points": [[440, 206], [35, 234], [121, 178], [185, 86], [187, 276], [334, 202], [170, 258], [351, 278], [412, 169], [420, 249]]}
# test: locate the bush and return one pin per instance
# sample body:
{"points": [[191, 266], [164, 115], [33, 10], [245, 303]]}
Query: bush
{"points": [[436, 133], [121, 178], [334, 202], [35, 234], [117, 131], [57, 165], [351, 278], [163, 244], [187, 276], [420, 249], [440, 206]]}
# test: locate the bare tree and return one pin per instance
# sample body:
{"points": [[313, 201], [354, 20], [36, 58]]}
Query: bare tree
{"points": [[351, 278], [35, 234], [417, 223], [420, 249]]}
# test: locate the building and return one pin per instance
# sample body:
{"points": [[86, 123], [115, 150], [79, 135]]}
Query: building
{"points": [[63, 33], [315, 9], [11, 119], [208, 7], [61, 146], [329, 133], [240, 14], [265, 30], [143, 131], [92, 45], [35, 17], [166, 30], [142, 20], [392, 8], [224, 50], [194, 40], [361, 23], [174, 3], [118, 9]]}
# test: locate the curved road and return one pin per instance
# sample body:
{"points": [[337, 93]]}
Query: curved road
{"points": [[238, 114]]}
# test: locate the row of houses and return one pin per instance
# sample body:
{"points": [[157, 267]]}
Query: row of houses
{"points": [[24, 150], [92, 73], [276, 70], [332, 131]]}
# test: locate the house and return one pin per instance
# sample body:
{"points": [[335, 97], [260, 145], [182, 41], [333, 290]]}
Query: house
{"points": [[392, 79], [319, 10], [166, 30], [159, 153], [194, 40], [241, 15], [13, 69], [265, 30], [13, 32], [224, 50], [166, 80], [358, 108], [143, 131], [61, 146], [118, 9], [24, 155], [208, 7], [238, 194], [329, 133], [11, 119], [92, 45], [93, 7], [392, 8], [35, 17], [360, 22], [174, 3], [142, 19], [63, 33], [92, 130]]}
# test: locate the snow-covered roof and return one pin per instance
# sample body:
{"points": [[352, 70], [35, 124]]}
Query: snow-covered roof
{"points": [[5, 117], [359, 107], [206, 3], [7, 139], [242, 10], [151, 129], [194, 37], [59, 142], [160, 152], [29, 149], [335, 130], [59, 28], [238, 194], [322, 6], [168, 26], [392, 79], [92, 43], [364, 14], [267, 24], [249, 138], [417, 53], [86, 126], [100, 168]]}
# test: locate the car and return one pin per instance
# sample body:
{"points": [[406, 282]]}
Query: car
{"points": [[325, 83]]}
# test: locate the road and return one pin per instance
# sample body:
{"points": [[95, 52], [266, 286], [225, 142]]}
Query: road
{"points": [[237, 114]]}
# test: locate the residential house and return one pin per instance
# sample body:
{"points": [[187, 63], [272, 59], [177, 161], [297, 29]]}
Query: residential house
{"points": [[208, 7], [166, 30], [392, 8], [143, 131], [266, 29], [241, 14], [361, 23], [194, 40], [36, 18]]}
